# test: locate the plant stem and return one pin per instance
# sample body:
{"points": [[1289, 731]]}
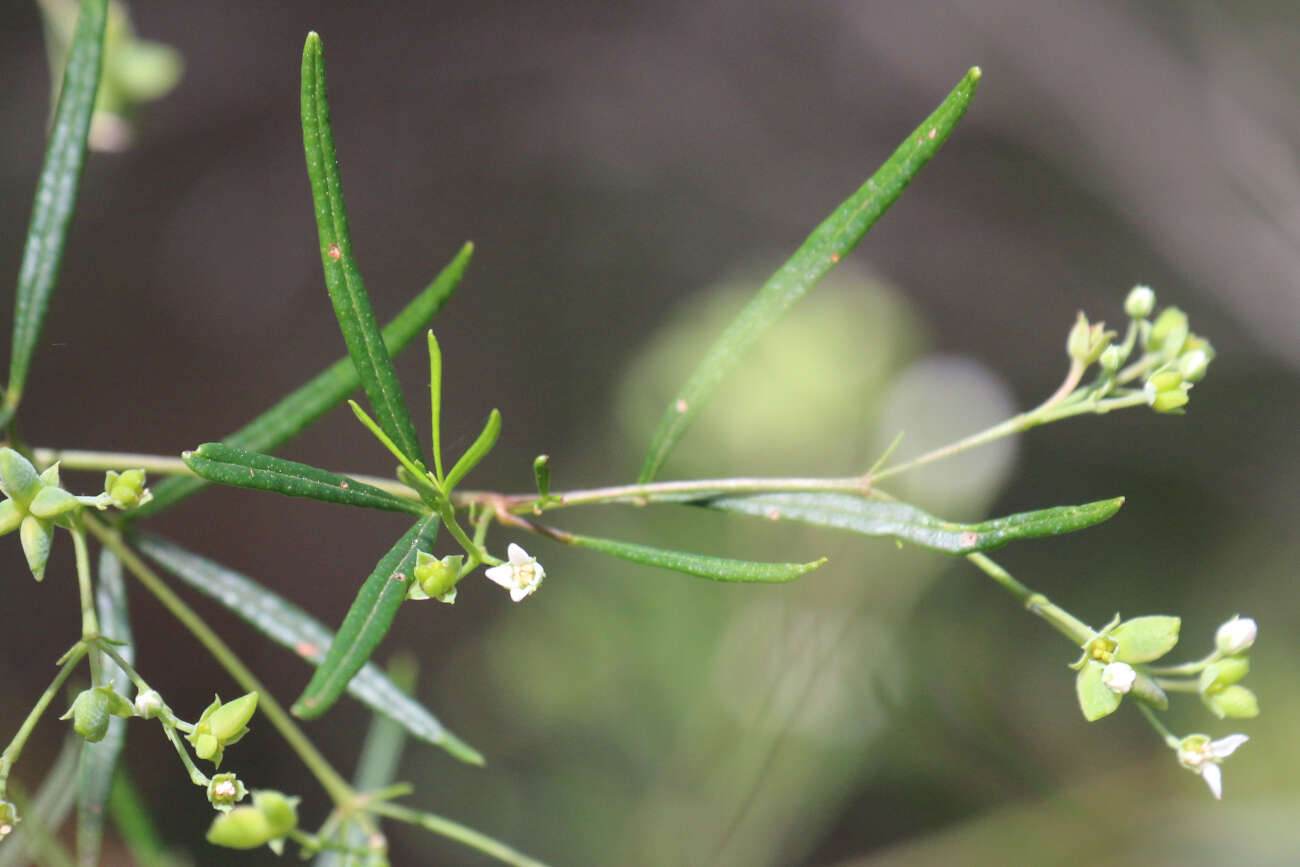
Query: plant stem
{"points": [[455, 831], [1171, 740], [15, 748], [80, 459], [1063, 621], [333, 783]]}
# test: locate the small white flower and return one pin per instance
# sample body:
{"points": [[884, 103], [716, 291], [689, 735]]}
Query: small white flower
{"points": [[521, 575], [1200, 754], [1118, 677], [1236, 635]]}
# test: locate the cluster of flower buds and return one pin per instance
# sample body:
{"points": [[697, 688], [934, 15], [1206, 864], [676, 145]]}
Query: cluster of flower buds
{"points": [[93, 708], [36, 503], [435, 578], [1173, 358], [1106, 669], [221, 725], [265, 822], [1219, 681]]}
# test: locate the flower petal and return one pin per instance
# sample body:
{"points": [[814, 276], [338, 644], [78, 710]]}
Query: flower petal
{"points": [[503, 575], [518, 555], [1224, 747], [519, 593], [1213, 778]]}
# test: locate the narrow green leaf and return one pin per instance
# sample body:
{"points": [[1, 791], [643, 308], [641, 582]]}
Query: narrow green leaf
{"points": [[56, 195], [824, 248], [135, 823], [699, 565], [286, 419], [435, 402], [99, 760], [367, 621], [342, 276], [476, 452], [291, 627], [230, 465], [910, 524], [35, 840]]}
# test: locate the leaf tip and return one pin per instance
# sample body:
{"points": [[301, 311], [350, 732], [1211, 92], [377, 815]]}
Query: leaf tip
{"points": [[975, 73]]}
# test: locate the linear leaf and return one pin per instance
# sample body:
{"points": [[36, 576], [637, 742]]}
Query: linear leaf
{"points": [[476, 452], [135, 824], [99, 760], [286, 419], [342, 276], [699, 565], [56, 195], [823, 249], [367, 620], [291, 627], [910, 524], [230, 465], [35, 839]]}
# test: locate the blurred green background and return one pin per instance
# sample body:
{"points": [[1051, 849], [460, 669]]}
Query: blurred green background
{"points": [[629, 175]]}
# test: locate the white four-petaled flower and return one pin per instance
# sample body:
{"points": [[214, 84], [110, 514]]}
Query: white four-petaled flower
{"points": [[521, 575], [1200, 754]]}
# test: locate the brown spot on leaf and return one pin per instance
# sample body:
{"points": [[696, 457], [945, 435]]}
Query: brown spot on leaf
{"points": [[306, 649], [335, 252]]}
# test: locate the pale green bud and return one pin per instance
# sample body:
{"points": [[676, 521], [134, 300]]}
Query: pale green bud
{"points": [[241, 828], [224, 791], [1235, 701], [148, 704], [1236, 635], [220, 726], [1140, 302], [1193, 365], [90, 715], [280, 810], [18, 478], [1222, 674], [436, 578], [126, 489], [1168, 333], [1085, 342], [1110, 359]]}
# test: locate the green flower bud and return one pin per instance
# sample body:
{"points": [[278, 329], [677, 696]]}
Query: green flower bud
{"points": [[18, 478], [1222, 674], [1193, 365], [37, 536], [51, 502], [1140, 302], [1166, 391], [1168, 333], [126, 489], [8, 818], [220, 726], [90, 715], [1110, 359], [436, 578], [240, 828], [1236, 635], [280, 810], [224, 791], [148, 704], [1235, 701]]}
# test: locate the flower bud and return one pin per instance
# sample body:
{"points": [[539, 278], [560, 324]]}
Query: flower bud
{"points": [[1236, 635], [220, 726], [280, 810], [1222, 674], [1118, 677], [1085, 342], [1236, 701], [1168, 333], [436, 578], [148, 704], [8, 818], [18, 478], [224, 791], [1166, 391], [1193, 365], [126, 489], [90, 715], [1110, 359], [241, 828], [1140, 302]]}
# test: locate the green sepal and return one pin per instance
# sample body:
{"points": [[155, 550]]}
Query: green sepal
{"points": [[1096, 700], [1224, 673], [18, 478], [281, 811], [10, 517], [37, 537], [51, 502], [241, 828], [1144, 639], [1235, 701]]}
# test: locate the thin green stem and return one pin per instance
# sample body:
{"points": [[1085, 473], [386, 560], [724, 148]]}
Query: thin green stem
{"points": [[1194, 667], [455, 831], [111, 652], [333, 783], [89, 620], [1172, 740], [1173, 685], [15, 748], [1063, 621], [197, 777], [81, 459]]}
